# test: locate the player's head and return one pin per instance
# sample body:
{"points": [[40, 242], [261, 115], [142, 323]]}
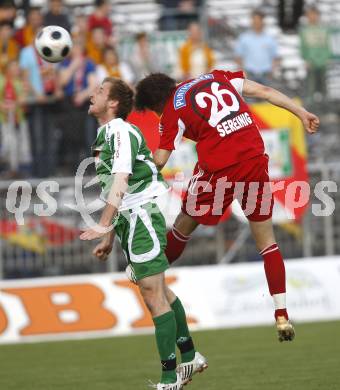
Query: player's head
{"points": [[113, 98], [153, 92]]}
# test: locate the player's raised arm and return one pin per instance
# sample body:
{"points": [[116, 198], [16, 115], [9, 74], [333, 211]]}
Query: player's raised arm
{"points": [[255, 90]]}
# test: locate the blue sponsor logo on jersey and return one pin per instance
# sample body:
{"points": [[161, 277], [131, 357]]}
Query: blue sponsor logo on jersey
{"points": [[179, 98]]}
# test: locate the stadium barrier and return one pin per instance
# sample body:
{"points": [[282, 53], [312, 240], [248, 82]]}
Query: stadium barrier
{"points": [[49, 245], [216, 296], [45, 245]]}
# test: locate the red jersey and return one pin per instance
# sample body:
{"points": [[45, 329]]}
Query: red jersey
{"points": [[210, 110]]}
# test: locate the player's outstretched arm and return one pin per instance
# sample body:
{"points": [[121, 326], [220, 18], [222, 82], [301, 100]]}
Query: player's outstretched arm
{"points": [[161, 157], [255, 90]]}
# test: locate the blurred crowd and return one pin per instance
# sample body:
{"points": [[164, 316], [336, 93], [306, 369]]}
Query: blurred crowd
{"points": [[44, 126]]}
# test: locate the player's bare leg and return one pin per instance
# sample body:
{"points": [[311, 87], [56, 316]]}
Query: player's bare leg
{"points": [[192, 361], [179, 235], [264, 237], [152, 289]]}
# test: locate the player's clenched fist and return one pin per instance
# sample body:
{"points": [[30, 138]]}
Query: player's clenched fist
{"points": [[102, 250], [310, 122]]}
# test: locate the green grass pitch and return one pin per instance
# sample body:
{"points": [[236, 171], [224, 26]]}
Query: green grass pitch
{"points": [[239, 359]]}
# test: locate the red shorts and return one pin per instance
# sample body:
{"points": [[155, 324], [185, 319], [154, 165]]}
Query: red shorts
{"points": [[210, 194]]}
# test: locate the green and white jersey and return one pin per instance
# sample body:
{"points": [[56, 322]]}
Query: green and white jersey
{"points": [[121, 147]]}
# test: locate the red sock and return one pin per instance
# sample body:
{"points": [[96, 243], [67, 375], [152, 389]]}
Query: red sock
{"points": [[276, 276], [281, 313], [176, 244]]}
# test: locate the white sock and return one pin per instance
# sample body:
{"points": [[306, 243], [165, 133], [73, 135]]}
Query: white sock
{"points": [[279, 301]]}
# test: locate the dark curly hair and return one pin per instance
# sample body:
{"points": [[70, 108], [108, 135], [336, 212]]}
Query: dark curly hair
{"points": [[120, 91], [153, 92]]}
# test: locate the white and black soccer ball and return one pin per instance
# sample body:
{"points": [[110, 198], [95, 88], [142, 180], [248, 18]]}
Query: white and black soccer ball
{"points": [[53, 43]]}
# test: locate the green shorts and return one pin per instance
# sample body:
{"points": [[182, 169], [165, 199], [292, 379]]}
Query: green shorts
{"points": [[142, 234]]}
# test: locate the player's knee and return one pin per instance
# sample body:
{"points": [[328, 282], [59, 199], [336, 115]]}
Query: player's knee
{"points": [[154, 297], [185, 224], [263, 233]]}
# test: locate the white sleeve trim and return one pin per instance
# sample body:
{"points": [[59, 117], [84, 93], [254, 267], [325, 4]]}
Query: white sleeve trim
{"points": [[179, 136], [238, 85], [135, 133], [122, 151]]}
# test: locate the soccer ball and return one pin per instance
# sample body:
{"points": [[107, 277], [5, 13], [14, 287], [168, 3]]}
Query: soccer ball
{"points": [[53, 43]]}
